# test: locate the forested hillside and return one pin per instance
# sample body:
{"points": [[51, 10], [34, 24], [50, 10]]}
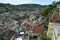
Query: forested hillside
{"points": [[48, 10], [22, 7]]}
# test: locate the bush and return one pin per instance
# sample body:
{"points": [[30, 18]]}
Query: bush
{"points": [[45, 37]]}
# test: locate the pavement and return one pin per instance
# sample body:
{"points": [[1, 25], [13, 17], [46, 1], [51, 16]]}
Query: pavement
{"points": [[58, 37]]}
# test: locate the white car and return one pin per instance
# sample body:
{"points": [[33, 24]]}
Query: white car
{"points": [[19, 38]]}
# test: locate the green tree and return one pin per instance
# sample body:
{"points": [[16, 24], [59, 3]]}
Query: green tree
{"points": [[45, 37], [47, 11], [1, 36], [49, 14]]}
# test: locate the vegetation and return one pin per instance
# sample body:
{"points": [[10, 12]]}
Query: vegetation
{"points": [[45, 10], [45, 37], [22, 7], [48, 10], [1, 35]]}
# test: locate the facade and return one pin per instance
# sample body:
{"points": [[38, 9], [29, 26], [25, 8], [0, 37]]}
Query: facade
{"points": [[9, 35], [35, 31], [53, 31]]}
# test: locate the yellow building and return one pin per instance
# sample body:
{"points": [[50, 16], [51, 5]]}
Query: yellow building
{"points": [[52, 32]]}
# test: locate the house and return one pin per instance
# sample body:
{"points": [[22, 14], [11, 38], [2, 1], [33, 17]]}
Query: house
{"points": [[35, 31], [33, 28], [1, 27], [53, 27], [9, 35], [53, 19], [25, 22]]}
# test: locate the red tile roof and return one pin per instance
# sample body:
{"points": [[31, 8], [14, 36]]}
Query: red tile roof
{"points": [[35, 29], [25, 22], [9, 35], [29, 28], [53, 19]]}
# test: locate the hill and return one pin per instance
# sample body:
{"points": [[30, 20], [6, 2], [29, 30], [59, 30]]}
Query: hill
{"points": [[23, 7], [31, 7]]}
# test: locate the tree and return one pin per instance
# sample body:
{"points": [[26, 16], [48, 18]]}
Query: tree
{"points": [[49, 14], [47, 11], [1, 36], [45, 37]]}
